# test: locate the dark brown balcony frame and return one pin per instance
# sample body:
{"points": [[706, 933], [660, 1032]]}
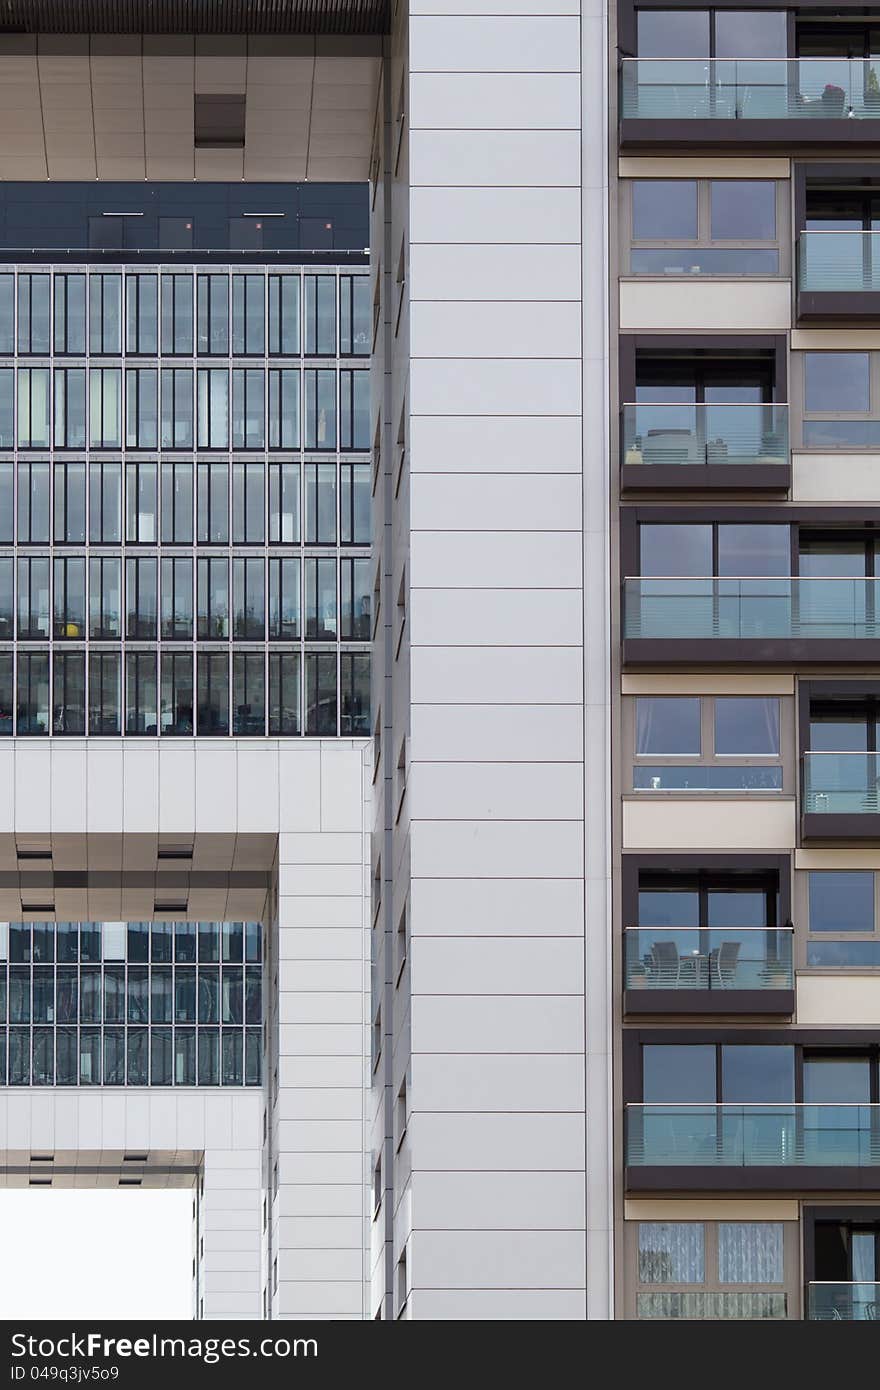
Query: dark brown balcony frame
{"points": [[646, 653], [832, 306], [653, 1003], [819, 827], [761, 1178], [638, 478]]}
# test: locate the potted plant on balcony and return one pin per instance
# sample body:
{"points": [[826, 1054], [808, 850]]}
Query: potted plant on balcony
{"points": [[833, 100]]}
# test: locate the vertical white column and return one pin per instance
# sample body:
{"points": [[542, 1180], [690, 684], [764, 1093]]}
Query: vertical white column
{"points": [[489, 1039], [228, 1227], [318, 1111]]}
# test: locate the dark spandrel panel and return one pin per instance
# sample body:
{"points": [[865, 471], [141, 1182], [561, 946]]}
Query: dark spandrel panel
{"points": [[184, 217], [195, 17]]}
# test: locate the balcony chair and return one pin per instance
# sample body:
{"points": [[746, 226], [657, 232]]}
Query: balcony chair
{"points": [[665, 965], [723, 963]]}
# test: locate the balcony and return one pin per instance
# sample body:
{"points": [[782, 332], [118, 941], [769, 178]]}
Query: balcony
{"points": [[752, 103], [757, 1146], [841, 796], [838, 277], [737, 970], [838, 1302], [689, 448], [762, 621]]}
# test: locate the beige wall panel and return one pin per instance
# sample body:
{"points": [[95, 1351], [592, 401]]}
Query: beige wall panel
{"points": [[836, 478], [841, 338], [707, 824], [703, 1209], [669, 167], [708, 683], [838, 1001], [859, 857], [708, 306]]}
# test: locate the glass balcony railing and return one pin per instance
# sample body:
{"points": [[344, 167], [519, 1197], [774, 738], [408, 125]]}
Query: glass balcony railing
{"points": [[758, 89], [786, 1135], [839, 261], [688, 608], [834, 1302], [705, 434], [732, 958], [842, 783]]}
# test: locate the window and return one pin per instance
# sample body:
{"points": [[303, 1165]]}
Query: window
{"points": [[212, 716], [284, 526], [104, 692], [320, 315], [141, 602], [141, 314], [735, 550], [70, 503], [105, 313], [7, 313], [731, 742], [841, 393], [177, 408], [142, 408], [33, 407], [249, 600], [284, 315], [321, 693], [105, 407], [177, 606], [354, 503], [105, 606], [70, 408], [69, 693], [708, 1270], [213, 315], [177, 314], [715, 33], [320, 409], [7, 422], [354, 315], [842, 916], [213, 408], [691, 227], [177, 503], [213, 504], [355, 594], [105, 503], [354, 410], [176, 710], [248, 329], [140, 692], [69, 583], [284, 386], [7, 603], [248, 503], [320, 480], [70, 314], [33, 598], [248, 694], [320, 578], [141, 503], [33, 314], [248, 408], [33, 503], [354, 694], [284, 693], [212, 598], [284, 598]]}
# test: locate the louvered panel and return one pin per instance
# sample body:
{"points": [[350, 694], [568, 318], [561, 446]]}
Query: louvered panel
{"points": [[194, 16]]}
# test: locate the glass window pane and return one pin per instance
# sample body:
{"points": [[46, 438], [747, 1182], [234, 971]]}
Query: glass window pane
{"points": [[678, 1074], [743, 210], [750, 34], [747, 549], [747, 725], [841, 900], [664, 210], [675, 550], [756, 1073], [668, 725], [837, 1081], [750, 1252], [673, 33], [671, 1252], [837, 381]]}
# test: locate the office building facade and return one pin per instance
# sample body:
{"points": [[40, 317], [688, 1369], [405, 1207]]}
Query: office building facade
{"points": [[567, 933]]}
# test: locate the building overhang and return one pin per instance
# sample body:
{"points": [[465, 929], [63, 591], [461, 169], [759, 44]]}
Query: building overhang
{"points": [[195, 17]]}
